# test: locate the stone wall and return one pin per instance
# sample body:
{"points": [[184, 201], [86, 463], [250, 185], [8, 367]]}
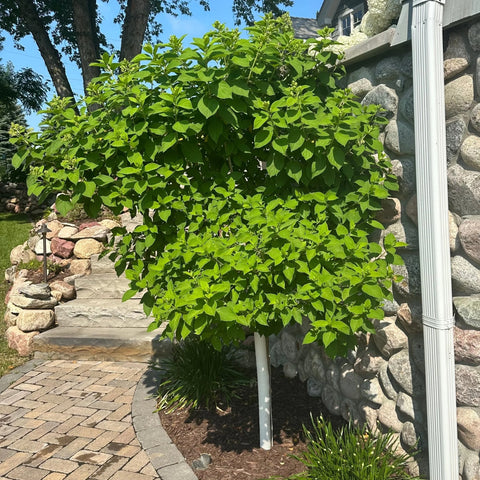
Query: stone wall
{"points": [[382, 382]]}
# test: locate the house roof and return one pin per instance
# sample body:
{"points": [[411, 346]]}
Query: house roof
{"points": [[327, 12], [305, 27]]}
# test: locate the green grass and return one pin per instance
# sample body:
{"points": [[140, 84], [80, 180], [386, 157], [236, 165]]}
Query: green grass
{"points": [[14, 230]]}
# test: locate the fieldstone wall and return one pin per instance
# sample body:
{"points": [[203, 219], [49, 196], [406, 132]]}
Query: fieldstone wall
{"points": [[14, 198], [30, 305], [382, 382]]}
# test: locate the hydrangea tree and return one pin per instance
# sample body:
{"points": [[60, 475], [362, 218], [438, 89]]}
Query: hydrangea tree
{"points": [[257, 179]]}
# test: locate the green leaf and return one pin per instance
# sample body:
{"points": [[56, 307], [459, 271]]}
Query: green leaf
{"points": [[373, 291], [63, 204], [263, 137], [226, 314], [90, 188], [128, 294], [328, 338], [336, 157], [208, 106], [222, 90]]}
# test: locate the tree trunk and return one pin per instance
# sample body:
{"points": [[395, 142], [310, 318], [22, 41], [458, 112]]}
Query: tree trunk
{"points": [[134, 27], [264, 391], [48, 51], [84, 24]]}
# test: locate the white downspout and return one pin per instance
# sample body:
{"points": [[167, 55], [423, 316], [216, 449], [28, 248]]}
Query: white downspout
{"points": [[432, 201]]}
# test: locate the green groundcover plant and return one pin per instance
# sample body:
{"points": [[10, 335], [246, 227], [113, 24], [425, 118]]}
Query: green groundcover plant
{"points": [[258, 181], [351, 453], [199, 376]]}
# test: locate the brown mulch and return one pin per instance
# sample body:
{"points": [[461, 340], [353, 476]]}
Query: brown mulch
{"points": [[231, 437]]}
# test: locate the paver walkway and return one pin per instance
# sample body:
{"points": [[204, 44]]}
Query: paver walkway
{"points": [[76, 420]]}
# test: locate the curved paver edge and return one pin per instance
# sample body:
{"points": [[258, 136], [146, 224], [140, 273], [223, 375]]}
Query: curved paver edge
{"points": [[162, 452], [18, 372]]}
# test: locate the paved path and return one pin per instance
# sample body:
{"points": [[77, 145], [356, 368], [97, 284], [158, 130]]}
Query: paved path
{"points": [[76, 420]]}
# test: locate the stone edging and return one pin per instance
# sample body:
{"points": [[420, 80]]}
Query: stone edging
{"points": [[162, 452], [17, 373]]}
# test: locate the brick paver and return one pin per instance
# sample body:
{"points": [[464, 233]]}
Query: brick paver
{"points": [[71, 420]]}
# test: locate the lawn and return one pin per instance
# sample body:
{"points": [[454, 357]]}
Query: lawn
{"points": [[14, 230]]}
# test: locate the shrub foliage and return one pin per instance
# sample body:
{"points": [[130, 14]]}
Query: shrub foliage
{"points": [[258, 181]]}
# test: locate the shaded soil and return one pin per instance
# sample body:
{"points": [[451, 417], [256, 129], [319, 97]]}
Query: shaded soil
{"points": [[231, 437]]}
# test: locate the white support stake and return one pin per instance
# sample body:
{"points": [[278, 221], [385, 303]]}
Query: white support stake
{"points": [[264, 392]]}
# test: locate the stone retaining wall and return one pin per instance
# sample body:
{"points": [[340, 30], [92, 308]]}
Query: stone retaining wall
{"points": [[30, 306], [382, 382], [14, 198]]}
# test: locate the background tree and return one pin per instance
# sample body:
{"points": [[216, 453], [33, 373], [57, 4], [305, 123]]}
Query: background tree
{"points": [[8, 115], [257, 179], [24, 86], [73, 29]]}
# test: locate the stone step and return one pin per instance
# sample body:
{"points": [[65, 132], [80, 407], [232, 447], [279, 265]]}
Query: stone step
{"points": [[102, 285], [102, 312], [101, 265], [122, 344]]}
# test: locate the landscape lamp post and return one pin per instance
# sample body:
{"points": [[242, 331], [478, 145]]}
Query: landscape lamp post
{"points": [[44, 230]]}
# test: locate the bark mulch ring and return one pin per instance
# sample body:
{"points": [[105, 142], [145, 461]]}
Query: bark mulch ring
{"points": [[231, 437]]}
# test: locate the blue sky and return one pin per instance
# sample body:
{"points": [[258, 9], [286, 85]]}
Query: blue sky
{"points": [[195, 25]]}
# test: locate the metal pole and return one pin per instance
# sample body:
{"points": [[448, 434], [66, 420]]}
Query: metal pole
{"points": [[44, 230], [432, 201]]}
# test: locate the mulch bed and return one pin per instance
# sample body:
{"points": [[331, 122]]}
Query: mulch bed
{"points": [[231, 437]]}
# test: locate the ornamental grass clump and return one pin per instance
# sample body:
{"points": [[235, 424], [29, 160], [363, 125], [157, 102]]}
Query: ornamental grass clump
{"points": [[199, 376], [351, 453]]}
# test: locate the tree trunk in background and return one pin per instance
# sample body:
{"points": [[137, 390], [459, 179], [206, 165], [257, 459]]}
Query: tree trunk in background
{"points": [[134, 27], [84, 24], [48, 51]]}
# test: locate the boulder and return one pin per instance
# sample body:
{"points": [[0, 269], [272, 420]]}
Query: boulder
{"points": [[371, 391], [459, 95], [468, 423], [109, 223], [80, 267], [410, 317], [33, 303], [387, 416], [67, 232], [20, 341], [54, 226], [455, 131], [385, 97], [368, 364], [400, 138], [466, 346], [404, 231], [454, 239], [406, 106], [463, 191], [475, 117], [87, 247], [468, 310], [465, 277], [66, 290], [62, 248], [410, 285], [470, 151], [474, 36], [469, 235], [467, 381], [404, 169], [388, 337], [406, 374], [453, 66], [391, 211], [21, 254], [388, 70], [97, 232], [39, 247], [349, 383], [360, 87], [35, 320], [35, 290]]}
